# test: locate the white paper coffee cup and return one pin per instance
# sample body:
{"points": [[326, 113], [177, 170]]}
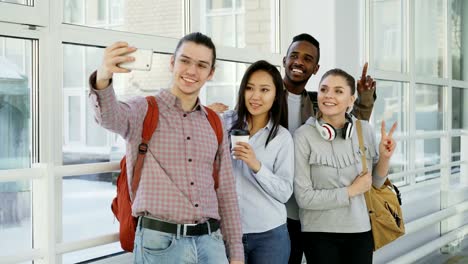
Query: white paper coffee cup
{"points": [[239, 135]]}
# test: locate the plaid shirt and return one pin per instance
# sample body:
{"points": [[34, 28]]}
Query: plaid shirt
{"points": [[176, 184]]}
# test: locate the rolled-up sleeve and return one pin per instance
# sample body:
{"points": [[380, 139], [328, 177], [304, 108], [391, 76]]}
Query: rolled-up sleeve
{"points": [[123, 118], [364, 104]]}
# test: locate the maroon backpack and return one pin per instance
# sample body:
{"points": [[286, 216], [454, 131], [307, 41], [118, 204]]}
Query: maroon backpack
{"points": [[122, 203]]}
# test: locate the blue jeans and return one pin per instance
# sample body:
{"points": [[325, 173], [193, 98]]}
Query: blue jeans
{"points": [[270, 247], [159, 247]]}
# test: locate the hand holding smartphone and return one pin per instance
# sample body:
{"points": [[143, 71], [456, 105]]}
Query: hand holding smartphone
{"points": [[142, 62]]}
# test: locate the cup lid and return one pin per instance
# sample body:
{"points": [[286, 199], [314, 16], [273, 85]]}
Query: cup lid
{"points": [[239, 132]]}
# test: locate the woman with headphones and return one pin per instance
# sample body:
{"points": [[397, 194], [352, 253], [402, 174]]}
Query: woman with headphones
{"points": [[328, 184]]}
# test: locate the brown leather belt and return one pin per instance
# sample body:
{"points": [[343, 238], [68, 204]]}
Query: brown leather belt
{"points": [[208, 227]]}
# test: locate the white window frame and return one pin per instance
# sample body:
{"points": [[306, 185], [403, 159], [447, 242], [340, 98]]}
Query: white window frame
{"points": [[43, 22], [36, 15], [412, 79], [42, 224]]}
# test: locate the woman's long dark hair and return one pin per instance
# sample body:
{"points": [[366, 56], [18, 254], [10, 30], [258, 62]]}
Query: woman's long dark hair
{"points": [[279, 109]]}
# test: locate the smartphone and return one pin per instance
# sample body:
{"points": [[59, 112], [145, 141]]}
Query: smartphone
{"points": [[142, 62]]}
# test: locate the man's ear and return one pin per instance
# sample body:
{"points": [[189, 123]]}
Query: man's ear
{"points": [[317, 67], [171, 67], [284, 61], [211, 74]]}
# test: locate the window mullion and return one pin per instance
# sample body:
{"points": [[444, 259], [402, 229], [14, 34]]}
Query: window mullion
{"points": [[410, 103]]}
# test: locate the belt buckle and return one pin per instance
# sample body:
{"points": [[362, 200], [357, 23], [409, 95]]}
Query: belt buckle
{"points": [[184, 230]]}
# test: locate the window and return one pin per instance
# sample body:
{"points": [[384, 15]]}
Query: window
{"points": [[85, 141], [388, 42], [86, 206], [429, 107], [16, 143], [390, 105], [456, 156], [419, 93], [15, 96], [237, 23], [71, 183], [162, 17], [430, 38], [459, 108], [459, 39], [224, 86]]}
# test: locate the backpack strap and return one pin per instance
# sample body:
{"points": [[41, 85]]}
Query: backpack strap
{"points": [[215, 123], [361, 146], [149, 126]]}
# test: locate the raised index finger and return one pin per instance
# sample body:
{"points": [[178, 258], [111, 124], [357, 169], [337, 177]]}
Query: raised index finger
{"points": [[364, 71]]}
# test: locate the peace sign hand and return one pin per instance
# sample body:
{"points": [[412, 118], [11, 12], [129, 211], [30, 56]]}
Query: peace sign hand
{"points": [[387, 143], [366, 83]]}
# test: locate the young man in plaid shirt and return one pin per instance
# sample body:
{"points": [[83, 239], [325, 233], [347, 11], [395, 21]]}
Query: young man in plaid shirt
{"points": [[182, 218]]}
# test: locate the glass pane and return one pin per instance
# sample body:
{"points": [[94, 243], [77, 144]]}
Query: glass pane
{"points": [[21, 2], [399, 160], [428, 175], [459, 108], [220, 28], [15, 92], [429, 107], [456, 156], [73, 70], [240, 36], [116, 12], [86, 206], [459, 39], [217, 4], [87, 255], [73, 11], [456, 147], [455, 175], [427, 152], [388, 35], [15, 50], [162, 17], [74, 118], [224, 86], [390, 105], [245, 24], [430, 37], [93, 143], [15, 217], [399, 163]]}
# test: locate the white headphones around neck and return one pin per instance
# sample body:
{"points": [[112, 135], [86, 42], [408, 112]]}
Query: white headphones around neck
{"points": [[328, 132]]}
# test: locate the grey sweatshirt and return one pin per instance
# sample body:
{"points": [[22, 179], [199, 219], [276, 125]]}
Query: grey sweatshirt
{"points": [[324, 170]]}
